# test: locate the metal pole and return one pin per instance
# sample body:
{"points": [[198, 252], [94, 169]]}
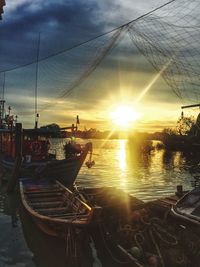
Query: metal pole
{"points": [[36, 83]]}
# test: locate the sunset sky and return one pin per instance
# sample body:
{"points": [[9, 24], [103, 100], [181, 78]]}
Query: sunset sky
{"points": [[120, 79]]}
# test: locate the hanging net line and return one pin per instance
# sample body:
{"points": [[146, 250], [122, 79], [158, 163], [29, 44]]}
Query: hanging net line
{"points": [[168, 37], [60, 74], [96, 53], [171, 36]]}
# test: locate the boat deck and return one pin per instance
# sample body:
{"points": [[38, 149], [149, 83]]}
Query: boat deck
{"points": [[51, 200]]}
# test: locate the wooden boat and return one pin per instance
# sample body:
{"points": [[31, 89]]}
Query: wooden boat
{"points": [[141, 234], [188, 207], [64, 170], [117, 208], [38, 158], [53, 207]]}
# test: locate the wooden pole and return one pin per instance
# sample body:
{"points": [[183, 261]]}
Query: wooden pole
{"points": [[191, 106], [36, 84], [18, 158]]}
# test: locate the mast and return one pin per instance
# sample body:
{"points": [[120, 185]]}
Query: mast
{"points": [[4, 81], [36, 84], [2, 101]]}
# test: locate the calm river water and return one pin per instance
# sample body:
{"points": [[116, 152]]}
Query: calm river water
{"points": [[147, 176]]}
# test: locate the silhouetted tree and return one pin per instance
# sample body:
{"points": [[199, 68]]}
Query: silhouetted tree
{"points": [[184, 124]]}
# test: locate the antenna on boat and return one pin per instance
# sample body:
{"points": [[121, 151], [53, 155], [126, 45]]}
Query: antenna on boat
{"points": [[75, 128], [77, 122], [2, 102], [36, 83], [9, 109]]}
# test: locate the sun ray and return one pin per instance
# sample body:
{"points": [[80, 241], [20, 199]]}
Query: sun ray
{"points": [[148, 87]]}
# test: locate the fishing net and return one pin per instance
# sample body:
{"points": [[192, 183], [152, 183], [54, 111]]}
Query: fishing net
{"points": [[168, 37], [57, 75]]}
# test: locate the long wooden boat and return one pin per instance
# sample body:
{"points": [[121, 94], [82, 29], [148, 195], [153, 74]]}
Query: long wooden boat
{"points": [[188, 207], [38, 157], [53, 207], [140, 234], [65, 170]]}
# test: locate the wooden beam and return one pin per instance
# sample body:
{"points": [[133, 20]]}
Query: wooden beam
{"points": [[69, 128], [53, 204], [48, 211], [40, 191], [191, 106], [41, 195], [46, 199]]}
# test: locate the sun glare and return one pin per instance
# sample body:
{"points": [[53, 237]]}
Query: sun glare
{"points": [[124, 116]]}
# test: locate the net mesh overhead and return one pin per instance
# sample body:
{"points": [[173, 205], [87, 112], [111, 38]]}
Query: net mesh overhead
{"points": [[171, 37], [168, 37], [58, 75]]}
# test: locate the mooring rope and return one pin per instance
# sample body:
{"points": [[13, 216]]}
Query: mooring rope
{"points": [[109, 250]]}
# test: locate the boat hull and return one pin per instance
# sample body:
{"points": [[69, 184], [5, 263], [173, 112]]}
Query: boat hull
{"points": [[53, 208], [65, 170], [188, 207]]}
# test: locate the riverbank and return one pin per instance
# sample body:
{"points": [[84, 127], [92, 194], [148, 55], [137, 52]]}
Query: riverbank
{"points": [[13, 248]]}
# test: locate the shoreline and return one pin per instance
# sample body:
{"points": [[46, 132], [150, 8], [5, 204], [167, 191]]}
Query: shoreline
{"points": [[13, 248]]}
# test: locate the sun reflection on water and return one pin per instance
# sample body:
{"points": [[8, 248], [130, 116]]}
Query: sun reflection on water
{"points": [[121, 155], [122, 161], [144, 175]]}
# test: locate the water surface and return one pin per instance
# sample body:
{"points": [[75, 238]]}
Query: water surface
{"points": [[145, 175]]}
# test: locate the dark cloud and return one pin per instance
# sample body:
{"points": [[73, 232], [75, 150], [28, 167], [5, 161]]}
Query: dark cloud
{"points": [[63, 24], [71, 22]]}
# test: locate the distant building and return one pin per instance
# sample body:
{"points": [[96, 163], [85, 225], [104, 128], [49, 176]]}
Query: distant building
{"points": [[2, 3]]}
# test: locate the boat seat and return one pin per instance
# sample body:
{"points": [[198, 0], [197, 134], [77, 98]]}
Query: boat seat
{"points": [[49, 211], [42, 195], [43, 191], [196, 212], [46, 199], [45, 204]]}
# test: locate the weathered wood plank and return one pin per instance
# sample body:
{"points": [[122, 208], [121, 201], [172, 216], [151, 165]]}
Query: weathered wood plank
{"points": [[67, 215], [51, 210], [46, 204], [42, 195], [46, 199], [43, 191], [29, 187]]}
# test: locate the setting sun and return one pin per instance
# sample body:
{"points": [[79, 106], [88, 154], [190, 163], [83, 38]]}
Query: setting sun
{"points": [[124, 116]]}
